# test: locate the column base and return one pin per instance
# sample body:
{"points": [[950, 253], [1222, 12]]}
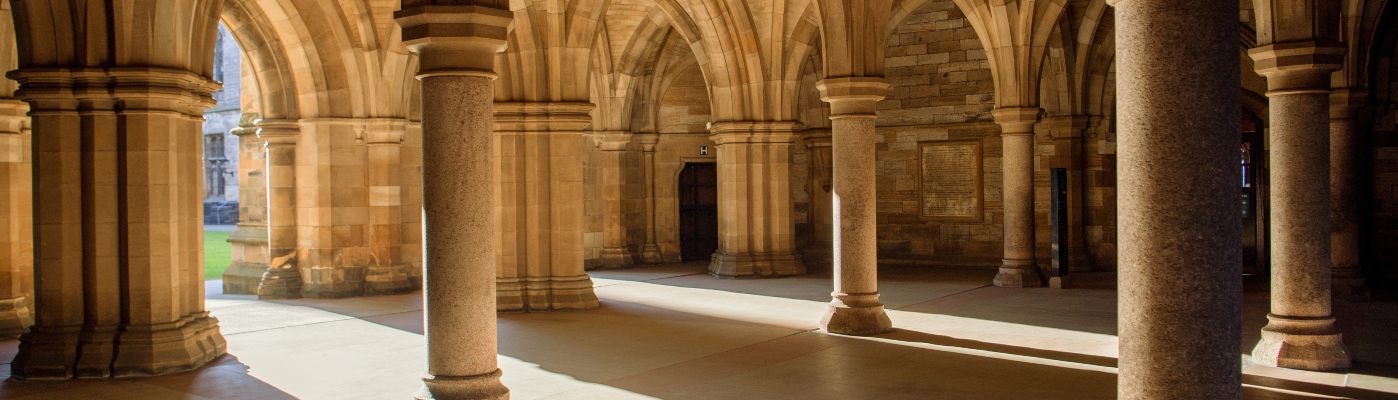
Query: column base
{"points": [[336, 282], [243, 277], [96, 348], [545, 294], [168, 348], [1019, 273], [381, 280], [1060, 282], [479, 387], [279, 284], [1349, 288], [616, 257], [856, 315], [14, 317], [46, 354], [756, 265], [650, 254], [1311, 344]]}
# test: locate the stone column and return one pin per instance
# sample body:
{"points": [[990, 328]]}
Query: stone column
{"points": [[1019, 267], [615, 253], [17, 229], [756, 234], [387, 273], [1180, 273], [1346, 126], [818, 253], [855, 308], [539, 150], [1300, 332], [456, 46], [249, 240], [283, 277], [650, 253]]}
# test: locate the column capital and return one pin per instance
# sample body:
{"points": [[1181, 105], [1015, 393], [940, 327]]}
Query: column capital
{"points": [[853, 96], [754, 132], [382, 130], [279, 131], [1348, 103], [1017, 120], [613, 140], [455, 40], [1298, 67], [247, 124], [648, 141], [543, 116]]}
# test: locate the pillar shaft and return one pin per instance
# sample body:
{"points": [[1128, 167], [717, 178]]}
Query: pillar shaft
{"points": [[283, 277], [539, 149], [855, 308], [1300, 332], [1345, 129], [1018, 268], [756, 233], [249, 240], [456, 46], [650, 253], [615, 251], [1180, 275], [386, 272], [17, 227]]}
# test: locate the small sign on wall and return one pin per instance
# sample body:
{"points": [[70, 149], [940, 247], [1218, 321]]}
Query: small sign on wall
{"points": [[703, 150]]}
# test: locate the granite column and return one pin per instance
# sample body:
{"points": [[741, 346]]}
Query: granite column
{"points": [[1300, 332], [1019, 267], [1180, 279], [855, 308], [456, 46]]}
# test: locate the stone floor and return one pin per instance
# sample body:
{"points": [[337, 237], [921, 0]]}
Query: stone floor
{"points": [[672, 332]]}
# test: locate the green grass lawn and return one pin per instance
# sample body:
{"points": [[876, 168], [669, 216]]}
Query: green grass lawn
{"points": [[217, 254]]}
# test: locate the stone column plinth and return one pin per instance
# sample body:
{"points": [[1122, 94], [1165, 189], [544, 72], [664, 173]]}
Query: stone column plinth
{"points": [[615, 253], [539, 150], [650, 252], [1019, 267], [756, 235], [386, 273], [283, 277], [249, 240], [1180, 279], [17, 227], [855, 308], [456, 46], [1301, 330], [1346, 126]]}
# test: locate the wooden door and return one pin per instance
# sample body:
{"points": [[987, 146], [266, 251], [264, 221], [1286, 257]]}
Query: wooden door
{"points": [[698, 211]]}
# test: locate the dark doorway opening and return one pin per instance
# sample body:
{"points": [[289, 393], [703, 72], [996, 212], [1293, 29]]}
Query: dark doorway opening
{"points": [[1253, 197], [698, 211]]}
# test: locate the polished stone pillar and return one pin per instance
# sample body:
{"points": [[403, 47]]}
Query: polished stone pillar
{"points": [[650, 252], [16, 229], [539, 150], [855, 308], [756, 235], [1300, 332], [1019, 267], [118, 227], [386, 273], [283, 277], [249, 240], [456, 46], [1346, 126], [615, 253], [1180, 275]]}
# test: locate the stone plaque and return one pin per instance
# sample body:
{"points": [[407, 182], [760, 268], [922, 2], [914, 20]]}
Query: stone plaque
{"points": [[950, 180]]}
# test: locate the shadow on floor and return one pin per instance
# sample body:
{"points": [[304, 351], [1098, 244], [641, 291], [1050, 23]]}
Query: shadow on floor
{"points": [[222, 378]]}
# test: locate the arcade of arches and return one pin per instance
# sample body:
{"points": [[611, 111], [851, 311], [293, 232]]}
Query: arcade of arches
{"points": [[492, 153]]}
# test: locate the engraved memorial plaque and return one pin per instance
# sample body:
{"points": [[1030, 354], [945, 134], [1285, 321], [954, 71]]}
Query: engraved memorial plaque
{"points": [[950, 181]]}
